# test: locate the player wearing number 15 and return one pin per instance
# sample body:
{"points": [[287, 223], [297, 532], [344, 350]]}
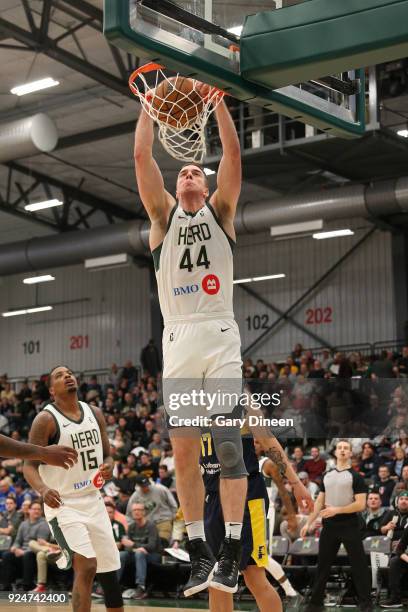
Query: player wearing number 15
{"points": [[73, 505], [191, 239]]}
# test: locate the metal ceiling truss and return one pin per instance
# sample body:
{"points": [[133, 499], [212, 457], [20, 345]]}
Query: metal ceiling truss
{"points": [[78, 205], [36, 38]]}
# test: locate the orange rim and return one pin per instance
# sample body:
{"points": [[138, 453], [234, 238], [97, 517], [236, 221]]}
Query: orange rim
{"points": [[149, 67], [141, 70]]}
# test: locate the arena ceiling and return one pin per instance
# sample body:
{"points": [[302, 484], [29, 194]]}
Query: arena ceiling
{"points": [[92, 165]]}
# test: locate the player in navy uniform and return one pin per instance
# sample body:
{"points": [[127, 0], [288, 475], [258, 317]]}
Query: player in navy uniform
{"points": [[254, 560]]}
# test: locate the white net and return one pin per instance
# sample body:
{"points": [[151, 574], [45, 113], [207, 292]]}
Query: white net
{"points": [[180, 107]]}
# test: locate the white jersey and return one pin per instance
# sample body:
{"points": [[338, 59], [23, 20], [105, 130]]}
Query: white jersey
{"points": [[85, 437], [194, 268], [271, 487]]}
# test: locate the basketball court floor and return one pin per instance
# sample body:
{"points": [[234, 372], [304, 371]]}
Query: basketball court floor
{"points": [[156, 606]]}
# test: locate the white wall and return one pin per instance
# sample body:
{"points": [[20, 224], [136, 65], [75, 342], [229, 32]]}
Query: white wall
{"points": [[359, 293], [116, 320]]}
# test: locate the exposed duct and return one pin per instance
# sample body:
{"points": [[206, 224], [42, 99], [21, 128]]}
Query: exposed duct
{"points": [[73, 247], [382, 199], [28, 136]]}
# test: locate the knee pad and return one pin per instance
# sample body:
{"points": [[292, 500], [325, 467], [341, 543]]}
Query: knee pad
{"points": [[228, 446], [111, 589]]}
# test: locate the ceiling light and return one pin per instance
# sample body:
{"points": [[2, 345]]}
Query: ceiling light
{"points": [[269, 277], [14, 313], [42, 205], [38, 279], [333, 234], [109, 261], [23, 311], [208, 171], [22, 90], [258, 278], [237, 30], [297, 228], [39, 309], [403, 133], [242, 280]]}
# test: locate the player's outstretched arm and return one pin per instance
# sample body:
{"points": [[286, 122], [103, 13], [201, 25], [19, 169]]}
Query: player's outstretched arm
{"points": [[42, 430], [275, 452], [60, 456], [229, 176], [156, 200]]}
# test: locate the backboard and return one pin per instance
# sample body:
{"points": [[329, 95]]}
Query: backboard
{"points": [[201, 39]]}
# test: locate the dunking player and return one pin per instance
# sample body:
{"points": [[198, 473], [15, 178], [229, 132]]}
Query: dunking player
{"points": [[254, 559], [59, 456], [191, 240], [73, 505]]}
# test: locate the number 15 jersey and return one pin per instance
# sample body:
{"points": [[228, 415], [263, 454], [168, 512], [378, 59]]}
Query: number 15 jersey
{"points": [[194, 268], [85, 437]]}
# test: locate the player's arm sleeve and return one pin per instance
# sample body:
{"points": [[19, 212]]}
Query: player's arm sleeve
{"points": [[322, 487]]}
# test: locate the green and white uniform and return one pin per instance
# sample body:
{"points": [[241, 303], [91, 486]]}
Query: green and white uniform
{"points": [[81, 524], [194, 270]]}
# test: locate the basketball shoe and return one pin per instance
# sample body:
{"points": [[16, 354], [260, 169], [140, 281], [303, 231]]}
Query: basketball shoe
{"points": [[202, 567], [226, 576]]}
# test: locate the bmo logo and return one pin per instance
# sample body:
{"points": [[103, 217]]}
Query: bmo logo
{"points": [[187, 290], [211, 284]]}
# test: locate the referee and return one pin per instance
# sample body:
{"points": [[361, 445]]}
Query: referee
{"points": [[343, 494]]}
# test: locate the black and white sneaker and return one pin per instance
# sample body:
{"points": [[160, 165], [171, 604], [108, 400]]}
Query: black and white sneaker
{"points": [[392, 603], [226, 576], [203, 565]]}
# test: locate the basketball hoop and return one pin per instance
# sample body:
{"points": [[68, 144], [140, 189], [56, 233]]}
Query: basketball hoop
{"points": [[180, 115]]}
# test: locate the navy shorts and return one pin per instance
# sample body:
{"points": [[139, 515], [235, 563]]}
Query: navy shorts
{"points": [[254, 541]]}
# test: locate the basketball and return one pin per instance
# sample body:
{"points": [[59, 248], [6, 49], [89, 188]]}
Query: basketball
{"points": [[177, 102]]}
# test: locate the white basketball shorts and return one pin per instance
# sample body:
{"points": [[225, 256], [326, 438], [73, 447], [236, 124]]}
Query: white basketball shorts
{"points": [[201, 356], [81, 525]]}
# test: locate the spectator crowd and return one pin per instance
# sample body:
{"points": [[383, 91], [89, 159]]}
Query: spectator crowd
{"points": [[329, 396]]}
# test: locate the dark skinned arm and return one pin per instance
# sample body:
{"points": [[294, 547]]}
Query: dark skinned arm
{"points": [[42, 430], [60, 456], [106, 469]]}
